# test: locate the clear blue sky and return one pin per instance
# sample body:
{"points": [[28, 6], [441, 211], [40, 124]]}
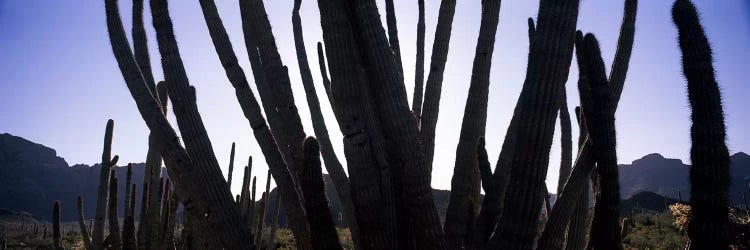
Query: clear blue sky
{"points": [[60, 82]]}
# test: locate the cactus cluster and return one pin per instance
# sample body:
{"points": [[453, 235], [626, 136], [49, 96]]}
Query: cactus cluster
{"points": [[388, 143]]}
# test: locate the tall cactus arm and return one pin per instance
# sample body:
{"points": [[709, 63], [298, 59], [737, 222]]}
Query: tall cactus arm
{"points": [[363, 139], [115, 239], [82, 225], [192, 181], [56, 232], [390, 17], [549, 63], [416, 104], [624, 50], [324, 234], [324, 73], [252, 111], [412, 176], [434, 84], [334, 167], [231, 167], [97, 239], [140, 46], [128, 227], [465, 173], [709, 175]]}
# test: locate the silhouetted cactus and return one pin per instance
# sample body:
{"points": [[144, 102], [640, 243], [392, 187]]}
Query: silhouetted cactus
{"points": [[128, 227], [261, 219], [114, 238], [231, 167], [434, 85], [334, 167], [566, 143], [251, 110], [210, 189], [466, 177], [271, 243], [97, 239], [82, 225], [576, 237], [538, 104], [364, 145], [596, 97], [709, 174], [416, 104], [57, 234], [324, 234], [390, 17], [141, 239]]}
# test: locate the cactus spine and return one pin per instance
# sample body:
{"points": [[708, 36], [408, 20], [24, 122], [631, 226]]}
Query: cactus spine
{"points": [[324, 234], [709, 174], [466, 178]]}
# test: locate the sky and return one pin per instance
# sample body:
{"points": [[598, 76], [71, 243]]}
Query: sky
{"points": [[60, 82]]}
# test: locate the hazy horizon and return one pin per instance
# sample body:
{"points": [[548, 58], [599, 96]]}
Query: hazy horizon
{"points": [[61, 82]]}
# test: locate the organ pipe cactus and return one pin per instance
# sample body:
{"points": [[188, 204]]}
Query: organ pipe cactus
{"points": [[231, 166], [141, 240], [416, 105], [390, 17], [82, 225], [114, 239], [363, 137], [434, 84], [566, 143], [261, 218], [334, 167], [538, 104], [411, 175], [597, 97], [466, 177], [324, 234], [97, 239], [128, 227], [198, 194], [576, 237], [251, 110], [251, 211], [709, 175], [274, 222], [57, 234]]}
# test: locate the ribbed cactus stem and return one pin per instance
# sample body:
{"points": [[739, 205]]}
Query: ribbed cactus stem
{"points": [[128, 180], [364, 144], [56, 232], [434, 84], [324, 74], [466, 177], [231, 167], [252, 111], [168, 241], [576, 237], [416, 104], [261, 219], [82, 225], [709, 174], [155, 215], [140, 46], [97, 239], [128, 228], [245, 192], [390, 18], [114, 238], [143, 221], [334, 167], [551, 52], [271, 244], [324, 234], [251, 211], [566, 143], [596, 95]]}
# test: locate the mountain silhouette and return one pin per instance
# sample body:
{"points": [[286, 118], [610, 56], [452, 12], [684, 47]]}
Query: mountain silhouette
{"points": [[33, 176]]}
